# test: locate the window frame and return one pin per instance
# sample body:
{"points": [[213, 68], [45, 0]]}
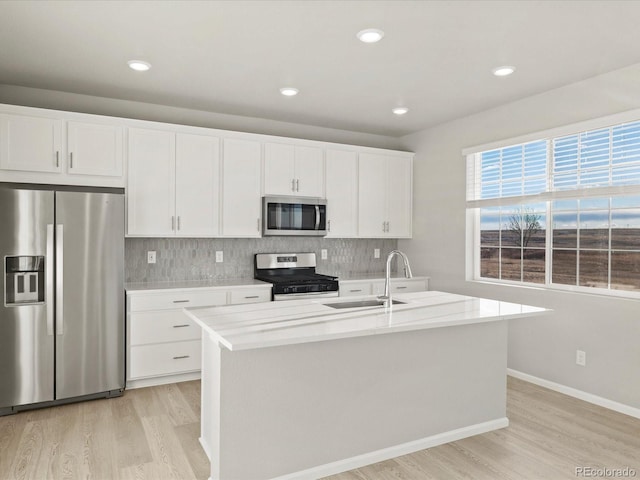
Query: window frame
{"points": [[474, 206]]}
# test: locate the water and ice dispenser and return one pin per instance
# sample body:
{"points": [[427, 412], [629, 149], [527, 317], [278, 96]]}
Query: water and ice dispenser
{"points": [[24, 280]]}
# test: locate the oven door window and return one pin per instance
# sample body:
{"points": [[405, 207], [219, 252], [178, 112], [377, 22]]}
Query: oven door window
{"points": [[295, 216]]}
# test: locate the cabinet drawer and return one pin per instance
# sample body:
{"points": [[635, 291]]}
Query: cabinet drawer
{"points": [[164, 359], [401, 286], [351, 289], [176, 300], [250, 295], [164, 326]]}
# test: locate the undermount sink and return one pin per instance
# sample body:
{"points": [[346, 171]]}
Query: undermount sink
{"points": [[360, 303]]}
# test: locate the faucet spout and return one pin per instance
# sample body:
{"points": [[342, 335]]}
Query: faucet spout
{"points": [[387, 279]]}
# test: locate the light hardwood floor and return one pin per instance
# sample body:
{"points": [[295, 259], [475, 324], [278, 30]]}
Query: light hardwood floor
{"points": [[152, 433]]}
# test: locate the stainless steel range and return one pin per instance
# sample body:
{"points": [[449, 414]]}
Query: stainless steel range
{"points": [[294, 276]]}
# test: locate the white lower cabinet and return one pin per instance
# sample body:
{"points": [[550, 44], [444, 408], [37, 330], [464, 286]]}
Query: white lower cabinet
{"points": [[353, 288], [163, 343]]}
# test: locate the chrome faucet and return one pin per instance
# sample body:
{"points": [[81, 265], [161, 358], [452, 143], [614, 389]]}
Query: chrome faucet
{"points": [[387, 279]]}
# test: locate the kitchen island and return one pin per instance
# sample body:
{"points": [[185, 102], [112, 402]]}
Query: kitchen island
{"points": [[301, 389]]}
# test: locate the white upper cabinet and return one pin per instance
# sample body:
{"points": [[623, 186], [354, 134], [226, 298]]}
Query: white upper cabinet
{"points": [[241, 180], [293, 170], [341, 176], [61, 148], [151, 191], [31, 143], [197, 185], [94, 149], [173, 184], [384, 196]]}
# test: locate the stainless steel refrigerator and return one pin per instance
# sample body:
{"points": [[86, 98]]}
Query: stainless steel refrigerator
{"points": [[62, 317]]}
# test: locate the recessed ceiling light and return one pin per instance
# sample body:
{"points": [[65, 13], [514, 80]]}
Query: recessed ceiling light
{"points": [[503, 71], [370, 35], [289, 91], [139, 65], [400, 110]]}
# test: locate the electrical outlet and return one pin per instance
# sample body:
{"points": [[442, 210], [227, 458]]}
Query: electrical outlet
{"points": [[151, 256], [581, 358], [219, 257], [376, 253], [323, 254]]}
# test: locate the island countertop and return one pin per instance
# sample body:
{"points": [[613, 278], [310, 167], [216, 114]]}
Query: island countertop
{"points": [[259, 325]]}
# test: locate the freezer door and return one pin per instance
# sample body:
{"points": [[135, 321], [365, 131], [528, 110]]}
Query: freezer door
{"points": [[90, 293], [26, 320]]}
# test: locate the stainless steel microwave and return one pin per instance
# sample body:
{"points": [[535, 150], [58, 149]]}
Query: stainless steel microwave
{"points": [[294, 216]]}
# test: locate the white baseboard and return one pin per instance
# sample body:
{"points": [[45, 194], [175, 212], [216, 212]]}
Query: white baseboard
{"points": [[163, 380], [572, 392], [396, 451]]}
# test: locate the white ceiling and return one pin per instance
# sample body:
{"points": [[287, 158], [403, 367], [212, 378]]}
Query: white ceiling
{"points": [[233, 56]]}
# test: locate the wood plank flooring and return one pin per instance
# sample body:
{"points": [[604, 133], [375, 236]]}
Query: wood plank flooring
{"points": [[152, 433]]}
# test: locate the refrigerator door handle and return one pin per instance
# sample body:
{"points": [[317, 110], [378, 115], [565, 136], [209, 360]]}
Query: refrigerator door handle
{"points": [[59, 279], [49, 279]]}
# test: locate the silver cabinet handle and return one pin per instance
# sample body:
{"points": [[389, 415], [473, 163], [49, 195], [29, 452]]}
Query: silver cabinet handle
{"points": [[356, 290], [252, 296], [297, 184], [258, 224], [173, 223], [400, 288], [70, 159], [388, 227], [328, 225], [293, 184], [57, 158], [181, 357], [59, 279], [49, 274], [181, 326], [181, 301], [384, 226], [178, 222]]}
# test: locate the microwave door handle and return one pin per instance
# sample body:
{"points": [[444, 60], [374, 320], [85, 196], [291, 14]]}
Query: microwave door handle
{"points": [[317, 217]]}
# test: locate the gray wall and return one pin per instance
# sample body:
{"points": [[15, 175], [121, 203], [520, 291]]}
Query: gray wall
{"points": [[181, 259], [607, 328], [33, 97]]}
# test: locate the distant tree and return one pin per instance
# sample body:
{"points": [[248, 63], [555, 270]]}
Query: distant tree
{"points": [[524, 226]]}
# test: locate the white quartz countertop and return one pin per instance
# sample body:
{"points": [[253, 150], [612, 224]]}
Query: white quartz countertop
{"points": [[212, 283], [259, 325]]}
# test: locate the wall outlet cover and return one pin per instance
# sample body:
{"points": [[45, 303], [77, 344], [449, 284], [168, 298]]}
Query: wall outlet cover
{"points": [[581, 358], [219, 256], [151, 256], [376, 253], [323, 254]]}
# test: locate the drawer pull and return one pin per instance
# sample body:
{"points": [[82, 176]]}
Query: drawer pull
{"points": [[181, 326], [400, 288], [181, 357], [356, 290], [181, 301], [252, 296]]}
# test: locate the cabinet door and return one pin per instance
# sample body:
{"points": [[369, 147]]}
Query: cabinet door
{"points": [[241, 176], [342, 193], [279, 169], [372, 195], [309, 171], [197, 185], [30, 144], [399, 198], [94, 149], [151, 183]]}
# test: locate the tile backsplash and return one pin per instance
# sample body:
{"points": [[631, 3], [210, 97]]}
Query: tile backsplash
{"points": [[184, 259]]}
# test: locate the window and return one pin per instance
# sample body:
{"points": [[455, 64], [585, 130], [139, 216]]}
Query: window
{"points": [[561, 211]]}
